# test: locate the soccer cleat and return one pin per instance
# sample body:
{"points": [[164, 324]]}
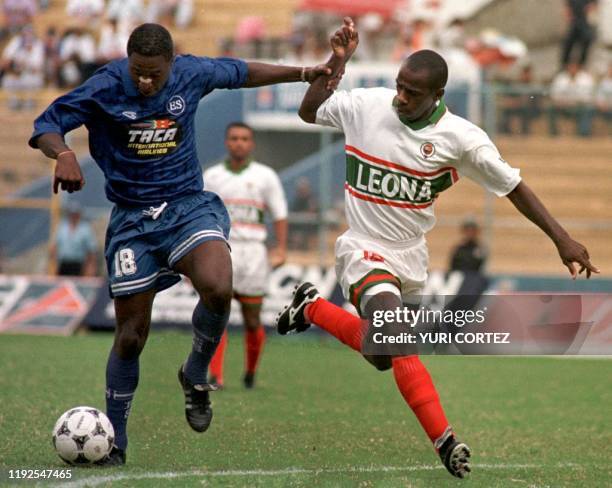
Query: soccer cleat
{"points": [[455, 456], [292, 318], [197, 403], [216, 383], [249, 380], [114, 458]]}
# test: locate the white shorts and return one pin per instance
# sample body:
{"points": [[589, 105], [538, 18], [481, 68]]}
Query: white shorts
{"points": [[363, 262], [251, 269]]}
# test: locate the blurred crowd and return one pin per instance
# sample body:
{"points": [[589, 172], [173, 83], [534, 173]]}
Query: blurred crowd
{"points": [[95, 32], [525, 94]]}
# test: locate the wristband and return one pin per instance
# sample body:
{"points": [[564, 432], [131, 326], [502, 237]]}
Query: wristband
{"points": [[303, 74], [64, 152]]}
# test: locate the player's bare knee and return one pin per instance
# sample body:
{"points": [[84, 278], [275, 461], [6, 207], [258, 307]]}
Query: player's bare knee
{"points": [[381, 363], [218, 297], [129, 342]]}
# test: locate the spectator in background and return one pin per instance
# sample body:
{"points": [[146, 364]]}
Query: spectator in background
{"points": [[23, 63], [17, 15], [74, 248], [521, 101], [571, 94], [469, 255], [51, 43], [414, 37], [580, 32], [304, 212], [251, 32], [86, 13], [113, 42], [181, 11], [127, 13], [453, 36], [77, 56], [603, 98]]}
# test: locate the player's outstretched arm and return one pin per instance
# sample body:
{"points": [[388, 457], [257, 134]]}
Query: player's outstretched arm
{"points": [[261, 74], [68, 173], [343, 43], [570, 251]]}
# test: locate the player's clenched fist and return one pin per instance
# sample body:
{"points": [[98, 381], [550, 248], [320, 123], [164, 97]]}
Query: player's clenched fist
{"points": [[345, 40], [68, 173]]}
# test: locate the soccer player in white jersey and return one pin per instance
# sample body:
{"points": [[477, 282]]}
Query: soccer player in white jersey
{"points": [[249, 189], [403, 147]]}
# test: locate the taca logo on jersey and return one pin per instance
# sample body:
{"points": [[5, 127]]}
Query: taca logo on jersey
{"points": [[151, 138]]}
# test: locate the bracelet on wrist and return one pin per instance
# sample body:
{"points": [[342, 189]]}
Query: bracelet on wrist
{"points": [[64, 152]]}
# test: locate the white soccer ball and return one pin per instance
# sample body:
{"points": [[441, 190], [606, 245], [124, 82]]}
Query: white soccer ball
{"points": [[83, 435]]}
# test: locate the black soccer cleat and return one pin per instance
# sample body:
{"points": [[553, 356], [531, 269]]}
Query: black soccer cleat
{"points": [[215, 382], [114, 458], [249, 380], [292, 318], [455, 456], [197, 403]]}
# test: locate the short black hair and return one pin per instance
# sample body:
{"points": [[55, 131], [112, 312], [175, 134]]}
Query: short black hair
{"points": [[431, 62], [151, 40], [240, 125]]}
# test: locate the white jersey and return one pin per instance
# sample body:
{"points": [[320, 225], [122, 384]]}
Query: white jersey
{"points": [[394, 170], [248, 194]]}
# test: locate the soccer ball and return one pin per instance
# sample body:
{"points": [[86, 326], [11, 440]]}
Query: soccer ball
{"points": [[83, 435]]}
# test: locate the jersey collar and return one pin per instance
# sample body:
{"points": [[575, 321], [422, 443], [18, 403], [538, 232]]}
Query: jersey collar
{"points": [[433, 119], [132, 90], [237, 172]]}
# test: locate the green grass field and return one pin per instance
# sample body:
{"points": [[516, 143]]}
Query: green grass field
{"points": [[320, 416]]}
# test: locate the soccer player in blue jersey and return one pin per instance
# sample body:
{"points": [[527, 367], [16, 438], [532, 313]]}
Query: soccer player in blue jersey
{"points": [[140, 114]]}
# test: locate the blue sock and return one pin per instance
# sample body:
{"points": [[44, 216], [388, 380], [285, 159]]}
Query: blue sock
{"points": [[121, 383], [208, 327]]}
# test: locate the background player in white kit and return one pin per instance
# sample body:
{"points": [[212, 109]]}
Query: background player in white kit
{"points": [[249, 189], [403, 147]]}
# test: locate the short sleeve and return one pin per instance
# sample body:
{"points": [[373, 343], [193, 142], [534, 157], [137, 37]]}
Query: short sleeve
{"points": [[68, 111], [275, 197], [337, 111], [482, 163], [215, 73]]}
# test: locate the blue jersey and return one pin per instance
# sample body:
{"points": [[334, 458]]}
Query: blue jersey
{"points": [[145, 146]]}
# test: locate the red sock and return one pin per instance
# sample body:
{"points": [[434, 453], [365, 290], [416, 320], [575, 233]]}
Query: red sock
{"points": [[343, 325], [216, 363], [418, 390], [254, 341]]}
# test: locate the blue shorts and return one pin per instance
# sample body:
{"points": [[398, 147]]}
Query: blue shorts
{"points": [[144, 243]]}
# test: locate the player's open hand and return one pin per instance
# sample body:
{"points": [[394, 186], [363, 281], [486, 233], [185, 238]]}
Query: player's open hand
{"points": [[345, 40], [573, 252], [68, 175]]}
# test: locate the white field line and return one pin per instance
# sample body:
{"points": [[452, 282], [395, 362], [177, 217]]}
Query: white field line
{"points": [[93, 481]]}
